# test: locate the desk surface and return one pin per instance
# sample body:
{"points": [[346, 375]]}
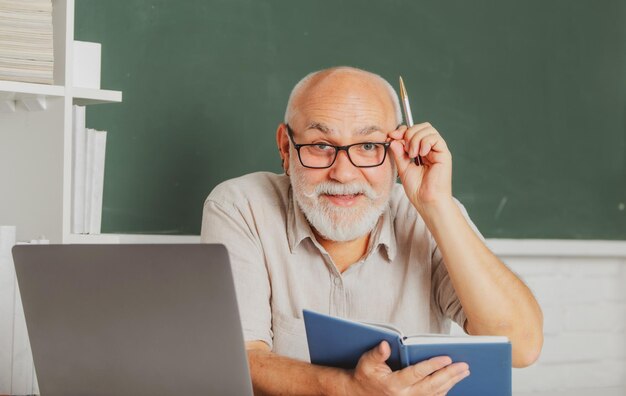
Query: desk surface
{"points": [[577, 392]]}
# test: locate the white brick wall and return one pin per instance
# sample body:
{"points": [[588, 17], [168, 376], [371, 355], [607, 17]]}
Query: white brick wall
{"points": [[584, 305]]}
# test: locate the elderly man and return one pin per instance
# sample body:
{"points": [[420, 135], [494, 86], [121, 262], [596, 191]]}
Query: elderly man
{"points": [[336, 234]]}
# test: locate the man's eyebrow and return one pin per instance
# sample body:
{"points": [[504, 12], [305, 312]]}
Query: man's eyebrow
{"points": [[368, 130], [320, 127], [359, 132]]}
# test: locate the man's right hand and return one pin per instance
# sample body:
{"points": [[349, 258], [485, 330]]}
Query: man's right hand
{"points": [[435, 376]]}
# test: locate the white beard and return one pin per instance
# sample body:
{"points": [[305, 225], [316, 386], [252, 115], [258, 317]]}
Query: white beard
{"points": [[337, 223]]}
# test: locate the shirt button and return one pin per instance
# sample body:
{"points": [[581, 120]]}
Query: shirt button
{"points": [[337, 281]]}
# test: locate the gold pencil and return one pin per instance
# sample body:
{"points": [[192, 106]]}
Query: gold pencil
{"points": [[408, 117]]}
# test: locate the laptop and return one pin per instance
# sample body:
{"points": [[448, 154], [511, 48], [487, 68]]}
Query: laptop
{"points": [[132, 319]]}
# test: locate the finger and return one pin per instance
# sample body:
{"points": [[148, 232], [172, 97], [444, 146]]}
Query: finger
{"points": [[413, 146], [375, 356], [423, 125], [412, 137], [419, 127], [453, 381], [398, 133], [404, 135], [432, 142], [416, 129], [401, 158], [416, 373], [444, 379], [435, 158]]}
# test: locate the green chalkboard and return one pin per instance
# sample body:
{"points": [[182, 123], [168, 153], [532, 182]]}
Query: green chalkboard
{"points": [[530, 95]]}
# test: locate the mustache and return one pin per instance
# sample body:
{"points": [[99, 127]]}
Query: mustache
{"points": [[334, 188]]}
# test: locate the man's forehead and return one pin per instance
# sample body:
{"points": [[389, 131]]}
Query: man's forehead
{"points": [[337, 110]]}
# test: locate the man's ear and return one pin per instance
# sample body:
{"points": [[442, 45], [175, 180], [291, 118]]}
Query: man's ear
{"points": [[282, 140]]}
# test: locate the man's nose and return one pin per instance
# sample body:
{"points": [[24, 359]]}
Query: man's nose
{"points": [[343, 170]]}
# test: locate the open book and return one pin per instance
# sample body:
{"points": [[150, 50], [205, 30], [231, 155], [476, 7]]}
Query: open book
{"points": [[340, 343]]}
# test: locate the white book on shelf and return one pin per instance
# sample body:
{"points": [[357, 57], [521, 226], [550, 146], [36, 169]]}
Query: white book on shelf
{"points": [[86, 65], [79, 151], [97, 181], [89, 162]]}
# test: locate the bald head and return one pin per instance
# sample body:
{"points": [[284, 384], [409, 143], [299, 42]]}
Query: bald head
{"points": [[349, 82]]}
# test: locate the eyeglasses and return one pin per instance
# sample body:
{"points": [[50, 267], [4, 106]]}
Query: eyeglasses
{"points": [[322, 155]]}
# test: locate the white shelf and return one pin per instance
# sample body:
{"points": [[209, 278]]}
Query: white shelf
{"points": [[12, 91], [33, 97], [21, 89], [88, 96], [36, 145]]}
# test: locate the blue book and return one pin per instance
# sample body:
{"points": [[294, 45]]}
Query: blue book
{"points": [[338, 342]]}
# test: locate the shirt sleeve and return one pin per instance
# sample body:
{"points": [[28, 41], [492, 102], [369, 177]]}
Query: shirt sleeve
{"points": [[444, 294], [225, 224]]}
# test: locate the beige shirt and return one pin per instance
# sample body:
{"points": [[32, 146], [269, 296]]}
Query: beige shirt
{"points": [[280, 269]]}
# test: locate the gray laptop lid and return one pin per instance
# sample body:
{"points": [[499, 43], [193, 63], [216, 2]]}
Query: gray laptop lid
{"points": [[132, 319]]}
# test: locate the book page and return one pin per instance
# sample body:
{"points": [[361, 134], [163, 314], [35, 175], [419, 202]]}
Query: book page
{"points": [[430, 339]]}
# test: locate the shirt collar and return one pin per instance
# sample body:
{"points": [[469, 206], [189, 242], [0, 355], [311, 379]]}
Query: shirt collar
{"points": [[298, 229], [384, 234]]}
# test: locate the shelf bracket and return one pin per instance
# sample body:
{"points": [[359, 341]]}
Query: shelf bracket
{"points": [[34, 103], [7, 102], [7, 105]]}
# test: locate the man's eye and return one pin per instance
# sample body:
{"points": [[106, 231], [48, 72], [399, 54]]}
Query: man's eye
{"points": [[323, 147], [368, 146]]}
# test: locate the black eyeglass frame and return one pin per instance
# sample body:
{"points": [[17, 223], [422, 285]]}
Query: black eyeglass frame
{"points": [[337, 149]]}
